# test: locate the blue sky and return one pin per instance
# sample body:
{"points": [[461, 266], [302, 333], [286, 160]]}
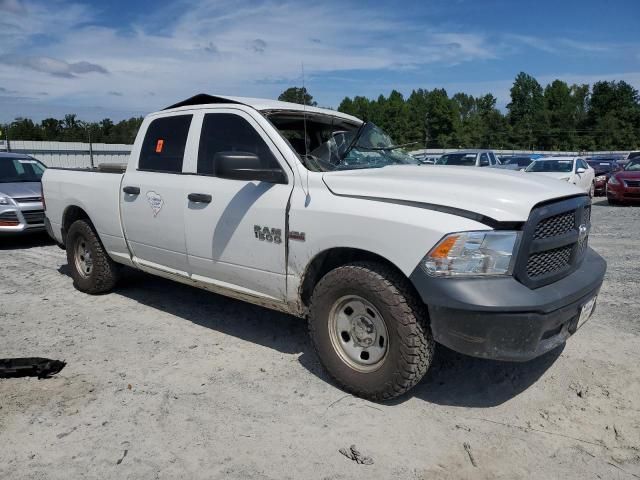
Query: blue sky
{"points": [[122, 58]]}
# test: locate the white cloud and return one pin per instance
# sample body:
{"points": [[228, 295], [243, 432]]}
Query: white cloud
{"points": [[224, 46]]}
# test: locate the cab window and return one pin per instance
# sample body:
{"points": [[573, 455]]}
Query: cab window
{"points": [[164, 144], [227, 132], [484, 160]]}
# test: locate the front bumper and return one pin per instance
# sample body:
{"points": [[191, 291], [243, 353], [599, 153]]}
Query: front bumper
{"points": [[502, 319], [22, 218], [622, 193]]}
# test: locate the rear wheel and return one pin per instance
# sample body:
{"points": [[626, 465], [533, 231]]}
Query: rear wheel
{"points": [[92, 269], [370, 331]]}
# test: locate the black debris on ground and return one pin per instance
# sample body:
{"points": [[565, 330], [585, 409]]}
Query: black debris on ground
{"points": [[29, 367]]}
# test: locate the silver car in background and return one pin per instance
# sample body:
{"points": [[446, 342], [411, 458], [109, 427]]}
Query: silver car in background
{"points": [[21, 208]]}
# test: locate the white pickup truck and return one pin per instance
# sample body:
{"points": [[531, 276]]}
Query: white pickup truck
{"points": [[318, 214]]}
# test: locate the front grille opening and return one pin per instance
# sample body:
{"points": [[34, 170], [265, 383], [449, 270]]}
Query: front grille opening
{"points": [[28, 199], [555, 226], [550, 261], [34, 217]]}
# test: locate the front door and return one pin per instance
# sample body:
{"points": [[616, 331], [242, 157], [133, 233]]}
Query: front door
{"points": [[152, 199], [235, 229]]}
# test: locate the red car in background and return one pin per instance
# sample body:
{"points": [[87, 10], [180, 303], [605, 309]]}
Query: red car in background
{"points": [[624, 186], [603, 167]]}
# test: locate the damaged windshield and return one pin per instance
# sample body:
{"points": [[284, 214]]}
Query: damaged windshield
{"points": [[325, 143]]}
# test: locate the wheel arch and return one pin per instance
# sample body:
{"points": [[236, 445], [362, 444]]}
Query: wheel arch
{"points": [[335, 257], [71, 214]]}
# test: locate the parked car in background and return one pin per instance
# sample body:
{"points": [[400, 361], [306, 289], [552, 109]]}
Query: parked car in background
{"points": [[630, 156], [520, 162], [603, 168], [426, 158], [20, 194], [570, 169], [469, 158], [624, 186]]}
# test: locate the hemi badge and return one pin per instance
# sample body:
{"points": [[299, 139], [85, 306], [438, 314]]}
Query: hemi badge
{"points": [[300, 236]]}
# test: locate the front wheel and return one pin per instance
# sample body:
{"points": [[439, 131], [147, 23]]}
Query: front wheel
{"points": [[92, 269], [370, 331]]}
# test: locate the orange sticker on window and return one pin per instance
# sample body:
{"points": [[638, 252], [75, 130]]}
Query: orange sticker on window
{"points": [[159, 145]]}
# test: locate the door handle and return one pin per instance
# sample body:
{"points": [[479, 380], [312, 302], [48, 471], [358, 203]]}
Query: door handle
{"points": [[131, 190], [199, 198]]}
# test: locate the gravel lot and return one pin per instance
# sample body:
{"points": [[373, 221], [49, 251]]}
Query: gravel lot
{"points": [[167, 381]]}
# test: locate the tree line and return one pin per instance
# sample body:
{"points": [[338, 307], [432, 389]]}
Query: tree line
{"points": [[70, 129], [559, 116], [605, 116]]}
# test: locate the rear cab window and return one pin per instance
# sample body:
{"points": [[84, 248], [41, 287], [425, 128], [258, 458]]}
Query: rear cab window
{"points": [[164, 144]]}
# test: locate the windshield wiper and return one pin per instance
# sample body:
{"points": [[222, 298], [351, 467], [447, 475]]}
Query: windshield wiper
{"points": [[390, 147], [354, 141]]}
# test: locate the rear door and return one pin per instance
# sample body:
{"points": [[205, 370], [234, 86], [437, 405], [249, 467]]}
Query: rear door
{"points": [[152, 195], [236, 233]]}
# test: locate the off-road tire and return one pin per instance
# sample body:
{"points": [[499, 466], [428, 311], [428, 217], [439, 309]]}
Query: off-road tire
{"points": [[105, 272], [410, 345]]}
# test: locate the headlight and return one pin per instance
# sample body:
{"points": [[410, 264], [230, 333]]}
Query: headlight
{"points": [[614, 181], [4, 200], [601, 178], [472, 253]]}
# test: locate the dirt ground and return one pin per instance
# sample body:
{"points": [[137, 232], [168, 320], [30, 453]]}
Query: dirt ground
{"points": [[167, 381]]}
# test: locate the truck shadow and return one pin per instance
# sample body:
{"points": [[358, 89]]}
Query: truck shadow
{"points": [[453, 379], [463, 381], [26, 240], [278, 331]]}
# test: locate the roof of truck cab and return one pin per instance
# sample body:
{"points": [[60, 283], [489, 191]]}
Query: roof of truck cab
{"points": [[260, 104]]}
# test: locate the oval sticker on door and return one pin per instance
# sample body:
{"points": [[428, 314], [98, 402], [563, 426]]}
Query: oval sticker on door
{"points": [[156, 202]]}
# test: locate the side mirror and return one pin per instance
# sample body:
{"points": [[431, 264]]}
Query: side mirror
{"points": [[246, 166], [580, 170]]}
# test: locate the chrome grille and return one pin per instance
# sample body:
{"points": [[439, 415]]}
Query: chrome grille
{"points": [[550, 261], [556, 225], [632, 183], [34, 217]]}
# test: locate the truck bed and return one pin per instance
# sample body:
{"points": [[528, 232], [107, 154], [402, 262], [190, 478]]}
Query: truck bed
{"points": [[96, 191]]}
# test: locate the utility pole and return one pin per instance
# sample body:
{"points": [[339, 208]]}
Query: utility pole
{"points": [[90, 146], [6, 134]]}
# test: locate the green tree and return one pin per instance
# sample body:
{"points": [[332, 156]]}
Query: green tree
{"points": [[614, 115], [297, 95], [526, 110]]}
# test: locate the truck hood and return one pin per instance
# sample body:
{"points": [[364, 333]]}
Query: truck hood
{"points": [[20, 189], [501, 195]]}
